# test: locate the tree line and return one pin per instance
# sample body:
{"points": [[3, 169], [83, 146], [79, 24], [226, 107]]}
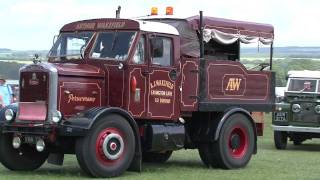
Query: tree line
{"points": [[10, 70]]}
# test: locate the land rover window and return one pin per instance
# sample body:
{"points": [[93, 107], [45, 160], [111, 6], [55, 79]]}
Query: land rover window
{"points": [[69, 45], [162, 51], [113, 45], [302, 85], [139, 54]]}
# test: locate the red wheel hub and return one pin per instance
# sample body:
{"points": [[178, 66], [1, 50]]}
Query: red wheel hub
{"points": [[113, 146], [238, 142], [109, 145]]}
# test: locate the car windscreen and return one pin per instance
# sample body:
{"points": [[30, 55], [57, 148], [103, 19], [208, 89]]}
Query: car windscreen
{"points": [[113, 45], [302, 85]]}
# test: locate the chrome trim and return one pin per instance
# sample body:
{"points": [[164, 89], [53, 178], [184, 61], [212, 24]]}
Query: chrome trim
{"points": [[106, 142], [296, 129], [53, 85]]}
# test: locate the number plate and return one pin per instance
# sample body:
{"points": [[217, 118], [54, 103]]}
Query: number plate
{"points": [[280, 116]]}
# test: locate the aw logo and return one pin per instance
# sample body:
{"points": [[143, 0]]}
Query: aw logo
{"points": [[234, 84]]}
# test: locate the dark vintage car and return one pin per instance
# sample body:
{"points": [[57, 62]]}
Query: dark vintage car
{"points": [[14, 84], [297, 116]]}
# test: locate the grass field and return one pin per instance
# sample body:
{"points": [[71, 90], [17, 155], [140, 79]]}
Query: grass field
{"points": [[297, 162]]}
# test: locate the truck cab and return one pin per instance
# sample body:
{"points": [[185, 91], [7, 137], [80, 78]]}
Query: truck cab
{"points": [[118, 92], [297, 116], [115, 63]]}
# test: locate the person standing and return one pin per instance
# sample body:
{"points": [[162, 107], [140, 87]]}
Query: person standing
{"points": [[5, 92], [1, 102]]}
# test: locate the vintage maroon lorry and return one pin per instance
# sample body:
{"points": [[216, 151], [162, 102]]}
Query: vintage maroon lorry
{"points": [[117, 92]]}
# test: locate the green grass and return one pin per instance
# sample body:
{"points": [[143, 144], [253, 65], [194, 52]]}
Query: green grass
{"points": [[296, 162]]}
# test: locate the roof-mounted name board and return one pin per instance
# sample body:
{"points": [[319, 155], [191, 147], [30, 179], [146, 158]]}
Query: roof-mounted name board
{"points": [[101, 24]]}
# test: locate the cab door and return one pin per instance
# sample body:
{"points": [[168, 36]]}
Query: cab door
{"points": [[163, 79], [138, 79]]}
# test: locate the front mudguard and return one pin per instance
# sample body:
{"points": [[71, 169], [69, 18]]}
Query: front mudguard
{"points": [[80, 124]]}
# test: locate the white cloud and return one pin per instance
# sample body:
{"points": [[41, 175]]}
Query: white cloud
{"points": [[31, 24]]}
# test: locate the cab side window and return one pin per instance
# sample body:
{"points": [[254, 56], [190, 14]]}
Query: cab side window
{"points": [[138, 57], [161, 51]]}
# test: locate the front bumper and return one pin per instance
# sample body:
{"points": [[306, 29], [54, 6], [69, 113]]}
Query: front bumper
{"points": [[43, 130], [296, 129]]}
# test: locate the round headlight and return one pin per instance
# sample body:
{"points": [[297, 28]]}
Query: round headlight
{"points": [[317, 109], [40, 145], [9, 114], [296, 108], [56, 116], [16, 142]]}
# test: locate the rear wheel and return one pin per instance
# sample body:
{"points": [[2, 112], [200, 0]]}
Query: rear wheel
{"points": [[280, 139], [108, 148], [26, 158], [206, 155], [234, 147], [156, 157]]}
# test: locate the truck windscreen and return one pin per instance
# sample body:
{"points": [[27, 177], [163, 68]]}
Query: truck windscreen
{"points": [[70, 45], [113, 45]]}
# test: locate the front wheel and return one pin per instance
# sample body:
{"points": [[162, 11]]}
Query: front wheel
{"points": [[235, 144], [26, 158], [108, 149], [280, 139]]}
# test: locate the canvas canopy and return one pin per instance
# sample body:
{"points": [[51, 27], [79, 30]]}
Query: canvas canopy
{"points": [[223, 31], [227, 31]]}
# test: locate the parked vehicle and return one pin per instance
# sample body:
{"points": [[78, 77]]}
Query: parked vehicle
{"points": [[280, 93], [14, 84], [297, 116], [117, 92]]}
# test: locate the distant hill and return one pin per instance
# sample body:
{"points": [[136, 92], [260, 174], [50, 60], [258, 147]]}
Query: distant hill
{"points": [[8, 54], [254, 52], [5, 50], [283, 52]]}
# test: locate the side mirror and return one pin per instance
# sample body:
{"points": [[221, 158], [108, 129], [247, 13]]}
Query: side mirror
{"points": [[82, 51], [287, 77], [55, 37]]}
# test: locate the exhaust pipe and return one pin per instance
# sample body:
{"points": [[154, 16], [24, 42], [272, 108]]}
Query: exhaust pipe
{"points": [[118, 12]]}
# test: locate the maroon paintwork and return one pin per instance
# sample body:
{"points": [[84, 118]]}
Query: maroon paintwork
{"points": [[101, 24], [156, 95], [80, 86], [32, 88], [76, 94], [233, 26], [148, 91], [78, 100], [229, 81], [69, 69], [189, 84]]}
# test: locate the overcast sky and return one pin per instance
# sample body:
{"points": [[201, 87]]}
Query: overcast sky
{"points": [[31, 24]]}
